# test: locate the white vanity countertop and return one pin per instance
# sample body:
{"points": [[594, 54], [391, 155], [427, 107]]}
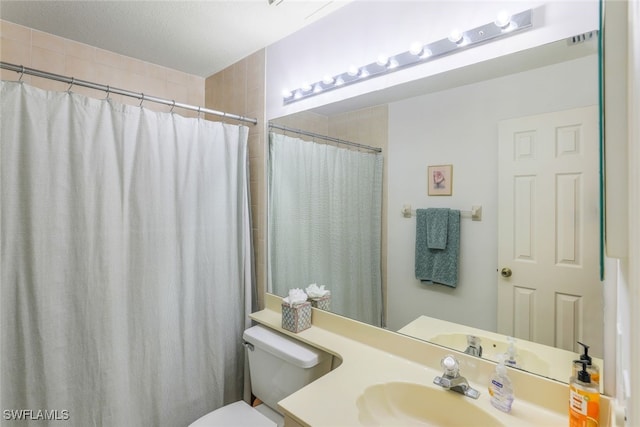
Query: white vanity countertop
{"points": [[560, 368], [373, 356]]}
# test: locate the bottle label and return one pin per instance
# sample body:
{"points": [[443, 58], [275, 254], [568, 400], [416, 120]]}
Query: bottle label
{"points": [[584, 408], [578, 403], [496, 383]]}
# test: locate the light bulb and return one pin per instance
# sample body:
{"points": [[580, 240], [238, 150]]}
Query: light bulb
{"points": [[426, 53], [382, 60], [306, 87], [392, 64], [286, 93], [317, 88], [353, 71], [503, 20], [455, 36], [416, 48], [328, 80]]}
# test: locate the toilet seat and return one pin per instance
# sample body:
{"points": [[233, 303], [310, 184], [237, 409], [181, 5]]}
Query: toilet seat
{"points": [[235, 414]]}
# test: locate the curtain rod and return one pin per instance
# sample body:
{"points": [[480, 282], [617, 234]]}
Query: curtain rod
{"points": [[105, 88], [327, 138]]}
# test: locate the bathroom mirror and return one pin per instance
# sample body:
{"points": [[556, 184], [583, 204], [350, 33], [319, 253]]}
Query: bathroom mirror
{"points": [[555, 77]]}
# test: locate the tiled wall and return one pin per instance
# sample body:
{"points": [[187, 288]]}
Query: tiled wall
{"points": [[239, 89], [35, 49]]}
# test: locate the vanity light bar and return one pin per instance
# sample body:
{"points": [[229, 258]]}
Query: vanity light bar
{"points": [[503, 26]]}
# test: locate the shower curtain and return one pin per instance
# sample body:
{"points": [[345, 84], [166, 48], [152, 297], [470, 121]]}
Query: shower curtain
{"points": [[325, 208], [126, 262]]}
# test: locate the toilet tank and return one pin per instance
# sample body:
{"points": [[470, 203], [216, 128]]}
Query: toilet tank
{"points": [[280, 365]]}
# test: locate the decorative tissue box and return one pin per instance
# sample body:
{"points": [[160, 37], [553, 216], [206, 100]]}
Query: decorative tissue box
{"points": [[323, 303], [296, 317]]}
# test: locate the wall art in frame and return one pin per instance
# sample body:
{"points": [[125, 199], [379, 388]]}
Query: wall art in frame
{"points": [[440, 180]]}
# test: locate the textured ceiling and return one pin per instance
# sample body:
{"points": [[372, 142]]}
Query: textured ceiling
{"points": [[197, 37]]}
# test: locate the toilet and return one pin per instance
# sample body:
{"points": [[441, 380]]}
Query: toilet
{"points": [[278, 366]]}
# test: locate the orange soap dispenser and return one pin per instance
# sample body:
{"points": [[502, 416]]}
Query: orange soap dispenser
{"points": [[584, 400], [591, 367]]}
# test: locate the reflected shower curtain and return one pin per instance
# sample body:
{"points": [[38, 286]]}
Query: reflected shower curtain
{"points": [[126, 265], [325, 207]]}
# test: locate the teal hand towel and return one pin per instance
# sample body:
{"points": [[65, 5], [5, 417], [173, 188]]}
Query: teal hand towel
{"points": [[437, 227], [437, 265]]}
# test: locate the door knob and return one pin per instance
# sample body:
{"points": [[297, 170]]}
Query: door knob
{"points": [[506, 272]]}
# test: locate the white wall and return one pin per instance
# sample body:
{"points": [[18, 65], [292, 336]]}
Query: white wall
{"points": [[631, 325], [460, 127], [358, 32]]}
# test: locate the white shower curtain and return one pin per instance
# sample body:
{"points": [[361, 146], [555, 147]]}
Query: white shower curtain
{"points": [[325, 207], [126, 261]]}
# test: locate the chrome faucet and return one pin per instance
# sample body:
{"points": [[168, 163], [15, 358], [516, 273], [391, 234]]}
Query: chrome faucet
{"points": [[473, 346], [452, 380]]}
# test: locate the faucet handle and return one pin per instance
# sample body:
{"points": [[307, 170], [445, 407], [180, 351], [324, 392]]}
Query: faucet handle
{"points": [[450, 365]]}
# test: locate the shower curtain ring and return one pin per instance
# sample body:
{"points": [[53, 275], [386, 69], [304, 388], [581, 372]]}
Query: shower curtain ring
{"points": [[21, 73], [73, 80], [199, 108], [173, 106], [108, 92], [141, 99]]}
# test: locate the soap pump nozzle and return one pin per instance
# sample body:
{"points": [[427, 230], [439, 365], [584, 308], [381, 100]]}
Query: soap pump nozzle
{"points": [[583, 374], [585, 356]]}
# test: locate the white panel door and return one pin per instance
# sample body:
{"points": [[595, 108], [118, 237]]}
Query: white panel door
{"points": [[549, 289]]}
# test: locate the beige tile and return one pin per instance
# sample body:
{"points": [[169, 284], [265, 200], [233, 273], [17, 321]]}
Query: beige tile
{"points": [[155, 87], [15, 52], [108, 76], [80, 50], [48, 41], [195, 81], [256, 146], [48, 60], [155, 71], [80, 69], [13, 76], [132, 65], [195, 95], [177, 92], [106, 57], [16, 32], [176, 76]]}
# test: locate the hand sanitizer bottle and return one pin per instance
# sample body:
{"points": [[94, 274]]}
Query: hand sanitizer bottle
{"points": [[510, 355], [500, 387]]}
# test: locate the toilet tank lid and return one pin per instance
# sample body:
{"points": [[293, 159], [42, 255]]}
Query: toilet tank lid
{"points": [[288, 349]]}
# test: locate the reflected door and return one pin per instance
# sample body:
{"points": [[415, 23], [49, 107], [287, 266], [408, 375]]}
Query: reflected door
{"points": [[548, 220]]}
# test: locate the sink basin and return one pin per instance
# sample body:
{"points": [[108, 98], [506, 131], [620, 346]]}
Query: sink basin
{"points": [[407, 404], [491, 348]]}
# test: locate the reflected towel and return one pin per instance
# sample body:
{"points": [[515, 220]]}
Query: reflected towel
{"points": [[437, 228], [437, 265]]}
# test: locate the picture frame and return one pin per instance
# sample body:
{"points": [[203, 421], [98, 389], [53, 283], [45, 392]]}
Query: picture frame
{"points": [[440, 180]]}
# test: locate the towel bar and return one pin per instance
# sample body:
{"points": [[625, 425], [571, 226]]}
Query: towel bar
{"points": [[475, 213]]}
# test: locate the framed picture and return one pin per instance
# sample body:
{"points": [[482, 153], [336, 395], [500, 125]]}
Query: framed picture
{"points": [[440, 180]]}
